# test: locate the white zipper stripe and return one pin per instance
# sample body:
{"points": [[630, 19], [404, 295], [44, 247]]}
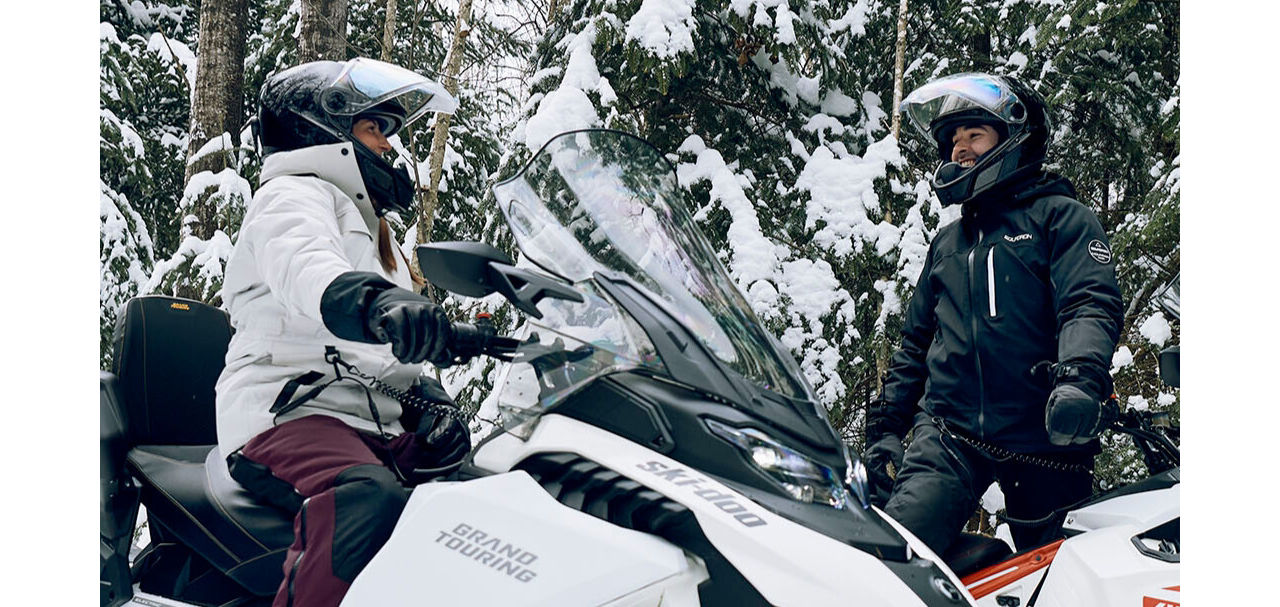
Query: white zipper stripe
{"points": [[991, 281]]}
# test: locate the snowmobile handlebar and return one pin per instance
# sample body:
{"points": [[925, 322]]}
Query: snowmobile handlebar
{"points": [[481, 338], [1154, 434]]}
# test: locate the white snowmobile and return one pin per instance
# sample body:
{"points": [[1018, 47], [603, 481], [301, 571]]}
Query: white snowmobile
{"points": [[655, 445]]}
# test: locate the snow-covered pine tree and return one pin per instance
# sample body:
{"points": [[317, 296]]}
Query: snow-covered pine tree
{"points": [[215, 194], [146, 67], [780, 133]]}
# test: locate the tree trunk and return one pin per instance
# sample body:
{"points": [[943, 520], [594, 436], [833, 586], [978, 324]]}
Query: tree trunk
{"points": [[217, 105], [426, 216], [389, 31], [323, 31], [897, 67]]}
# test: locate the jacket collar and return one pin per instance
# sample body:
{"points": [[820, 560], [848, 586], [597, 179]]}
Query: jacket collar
{"points": [[1019, 192], [334, 163]]}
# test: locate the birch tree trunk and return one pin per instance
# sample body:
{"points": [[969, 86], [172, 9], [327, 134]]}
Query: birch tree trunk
{"points": [[884, 344], [217, 104], [389, 32], [897, 67], [426, 216], [323, 31]]}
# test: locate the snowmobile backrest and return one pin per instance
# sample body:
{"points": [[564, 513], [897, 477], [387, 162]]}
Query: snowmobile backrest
{"points": [[168, 353]]}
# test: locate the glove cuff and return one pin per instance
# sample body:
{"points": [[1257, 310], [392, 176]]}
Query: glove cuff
{"points": [[1089, 378], [347, 302], [887, 418]]}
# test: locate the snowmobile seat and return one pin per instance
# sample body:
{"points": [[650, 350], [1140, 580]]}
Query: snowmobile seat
{"points": [[972, 552], [189, 491], [168, 355]]}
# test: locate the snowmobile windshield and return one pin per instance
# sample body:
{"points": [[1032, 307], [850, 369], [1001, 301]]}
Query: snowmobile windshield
{"points": [[603, 202], [366, 83], [958, 93]]}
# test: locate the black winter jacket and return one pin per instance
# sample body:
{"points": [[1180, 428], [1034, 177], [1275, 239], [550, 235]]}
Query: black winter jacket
{"points": [[1019, 279]]}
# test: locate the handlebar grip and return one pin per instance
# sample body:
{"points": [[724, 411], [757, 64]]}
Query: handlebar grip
{"points": [[471, 340]]}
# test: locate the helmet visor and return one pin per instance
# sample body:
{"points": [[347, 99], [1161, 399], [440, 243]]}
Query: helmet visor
{"points": [[365, 83], [958, 93]]}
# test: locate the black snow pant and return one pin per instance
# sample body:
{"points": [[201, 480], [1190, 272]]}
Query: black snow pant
{"points": [[339, 482], [942, 479]]}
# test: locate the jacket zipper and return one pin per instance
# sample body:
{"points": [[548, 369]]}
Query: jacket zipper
{"points": [[977, 355], [991, 281]]}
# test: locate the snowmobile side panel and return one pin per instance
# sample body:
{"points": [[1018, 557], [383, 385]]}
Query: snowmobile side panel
{"points": [[502, 540], [787, 563], [1104, 568], [1145, 510]]}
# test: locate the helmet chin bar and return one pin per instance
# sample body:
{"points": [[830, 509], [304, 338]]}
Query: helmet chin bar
{"points": [[391, 188], [956, 185]]}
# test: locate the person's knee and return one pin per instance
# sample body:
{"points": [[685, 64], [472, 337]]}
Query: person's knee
{"points": [[374, 490], [368, 502]]}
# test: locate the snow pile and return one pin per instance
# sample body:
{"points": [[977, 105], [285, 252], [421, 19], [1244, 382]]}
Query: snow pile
{"points": [[568, 108], [755, 261], [842, 194], [1121, 359], [564, 109], [663, 27], [854, 19], [1156, 329], [992, 501]]}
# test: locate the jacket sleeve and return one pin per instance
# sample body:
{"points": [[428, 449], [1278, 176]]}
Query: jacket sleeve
{"points": [[1083, 276], [907, 369], [297, 246]]}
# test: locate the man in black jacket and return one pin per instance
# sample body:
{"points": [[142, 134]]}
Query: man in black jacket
{"points": [[1008, 338]]}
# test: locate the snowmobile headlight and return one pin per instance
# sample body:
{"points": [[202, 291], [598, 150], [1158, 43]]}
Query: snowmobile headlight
{"points": [[798, 475]]}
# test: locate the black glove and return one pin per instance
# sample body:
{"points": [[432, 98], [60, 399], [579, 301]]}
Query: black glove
{"points": [[1078, 410], [426, 391], [417, 329], [887, 423], [444, 438], [365, 307], [883, 459]]}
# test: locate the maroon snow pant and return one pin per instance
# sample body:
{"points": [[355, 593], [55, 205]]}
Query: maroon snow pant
{"points": [[347, 499]]}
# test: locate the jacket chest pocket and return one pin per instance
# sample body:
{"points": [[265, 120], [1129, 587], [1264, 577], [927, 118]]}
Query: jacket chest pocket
{"points": [[1014, 280]]}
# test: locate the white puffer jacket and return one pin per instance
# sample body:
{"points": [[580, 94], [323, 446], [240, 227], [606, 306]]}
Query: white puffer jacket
{"points": [[310, 221]]}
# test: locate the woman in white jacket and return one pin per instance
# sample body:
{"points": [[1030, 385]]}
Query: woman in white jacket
{"points": [[314, 284]]}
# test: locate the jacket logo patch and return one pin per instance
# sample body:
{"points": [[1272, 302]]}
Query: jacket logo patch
{"points": [[1100, 252], [1018, 238]]}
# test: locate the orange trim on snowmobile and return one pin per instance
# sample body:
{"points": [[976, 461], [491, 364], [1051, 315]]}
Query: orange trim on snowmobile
{"points": [[984, 582]]}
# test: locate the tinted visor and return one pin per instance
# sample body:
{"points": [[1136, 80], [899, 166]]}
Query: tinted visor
{"points": [[366, 83], [962, 93]]}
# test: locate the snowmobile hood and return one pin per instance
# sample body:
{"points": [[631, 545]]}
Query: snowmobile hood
{"points": [[334, 163]]}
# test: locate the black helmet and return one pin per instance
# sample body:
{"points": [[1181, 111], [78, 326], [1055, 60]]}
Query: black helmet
{"points": [[317, 103], [1014, 110]]}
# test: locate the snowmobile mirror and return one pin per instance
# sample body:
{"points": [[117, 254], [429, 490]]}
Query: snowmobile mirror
{"points": [[461, 267], [1170, 367], [476, 269]]}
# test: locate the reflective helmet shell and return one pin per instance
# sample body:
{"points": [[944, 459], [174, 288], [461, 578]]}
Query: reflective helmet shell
{"points": [[318, 103], [1017, 113]]}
